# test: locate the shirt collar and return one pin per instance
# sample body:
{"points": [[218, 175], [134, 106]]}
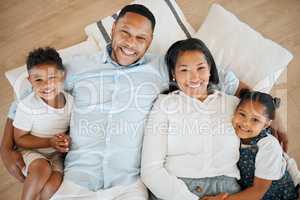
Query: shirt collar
{"points": [[107, 58], [215, 94]]}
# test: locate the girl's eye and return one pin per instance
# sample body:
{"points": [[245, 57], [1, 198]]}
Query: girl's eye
{"points": [[255, 120], [201, 68], [183, 70], [38, 80], [51, 77]]}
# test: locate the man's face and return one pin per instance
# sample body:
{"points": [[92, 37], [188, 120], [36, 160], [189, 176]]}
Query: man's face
{"points": [[131, 37]]}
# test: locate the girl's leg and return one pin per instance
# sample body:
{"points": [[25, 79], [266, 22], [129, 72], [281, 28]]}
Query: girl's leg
{"points": [[39, 172], [51, 185]]}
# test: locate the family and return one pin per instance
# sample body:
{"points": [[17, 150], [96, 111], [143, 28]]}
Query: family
{"points": [[124, 124]]}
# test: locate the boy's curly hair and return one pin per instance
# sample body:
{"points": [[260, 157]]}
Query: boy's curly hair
{"points": [[45, 55]]}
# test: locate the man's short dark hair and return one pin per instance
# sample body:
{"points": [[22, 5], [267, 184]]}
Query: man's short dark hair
{"points": [[138, 9], [45, 55]]}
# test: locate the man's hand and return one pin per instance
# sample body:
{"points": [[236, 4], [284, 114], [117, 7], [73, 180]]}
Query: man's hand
{"points": [[221, 196], [14, 163], [61, 142]]}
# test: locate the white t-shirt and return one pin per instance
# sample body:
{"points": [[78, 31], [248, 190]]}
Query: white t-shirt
{"points": [[41, 120], [188, 138], [269, 162]]}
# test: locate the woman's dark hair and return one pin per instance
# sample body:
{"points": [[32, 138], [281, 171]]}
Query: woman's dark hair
{"points": [[45, 55], [191, 44], [138, 9], [270, 103]]}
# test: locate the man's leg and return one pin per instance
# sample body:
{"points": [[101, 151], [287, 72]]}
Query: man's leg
{"points": [[69, 190], [136, 191]]}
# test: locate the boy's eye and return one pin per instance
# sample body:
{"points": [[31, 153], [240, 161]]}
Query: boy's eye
{"points": [[242, 114]]}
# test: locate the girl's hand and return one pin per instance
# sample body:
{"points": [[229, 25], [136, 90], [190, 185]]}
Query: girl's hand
{"points": [[61, 142], [221, 196]]}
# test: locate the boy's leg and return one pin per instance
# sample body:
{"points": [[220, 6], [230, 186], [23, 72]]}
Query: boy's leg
{"points": [[51, 185], [38, 173]]}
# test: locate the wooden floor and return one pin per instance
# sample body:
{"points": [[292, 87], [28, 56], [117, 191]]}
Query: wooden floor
{"points": [[28, 24]]}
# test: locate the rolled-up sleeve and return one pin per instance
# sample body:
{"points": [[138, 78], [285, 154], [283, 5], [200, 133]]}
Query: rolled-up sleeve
{"points": [[153, 172], [229, 83]]}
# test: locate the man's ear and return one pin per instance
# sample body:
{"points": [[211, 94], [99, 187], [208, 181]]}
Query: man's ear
{"points": [[113, 29]]}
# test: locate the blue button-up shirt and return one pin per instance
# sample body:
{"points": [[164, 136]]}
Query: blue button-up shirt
{"points": [[111, 105]]}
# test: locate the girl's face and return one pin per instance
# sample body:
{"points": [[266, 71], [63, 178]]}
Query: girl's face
{"points": [[250, 119], [46, 80], [192, 73]]}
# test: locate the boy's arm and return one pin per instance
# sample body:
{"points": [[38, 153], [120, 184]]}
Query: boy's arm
{"points": [[277, 130], [12, 159], [25, 140]]}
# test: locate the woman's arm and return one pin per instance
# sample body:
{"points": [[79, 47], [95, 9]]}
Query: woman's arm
{"points": [[153, 172]]}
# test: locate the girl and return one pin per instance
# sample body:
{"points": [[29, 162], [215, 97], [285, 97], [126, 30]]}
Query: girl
{"points": [[262, 165], [190, 148]]}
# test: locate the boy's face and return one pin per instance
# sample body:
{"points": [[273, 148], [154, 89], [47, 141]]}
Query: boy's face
{"points": [[131, 37], [47, 80]]}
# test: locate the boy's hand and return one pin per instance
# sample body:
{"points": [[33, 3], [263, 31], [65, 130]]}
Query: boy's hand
{"points": [[61, 142], [221, 196]]}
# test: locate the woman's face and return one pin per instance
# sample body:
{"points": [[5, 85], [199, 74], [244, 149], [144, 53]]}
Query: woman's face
{"points": [[250, 119], [192, 73]]}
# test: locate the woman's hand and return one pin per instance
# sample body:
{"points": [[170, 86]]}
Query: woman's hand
{"points": [[61, 142]]}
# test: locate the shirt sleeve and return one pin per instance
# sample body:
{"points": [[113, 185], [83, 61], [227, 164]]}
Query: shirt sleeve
{"points": [[270, 163], [229, 83], [12, 110], [23, 119], [153, 173]]}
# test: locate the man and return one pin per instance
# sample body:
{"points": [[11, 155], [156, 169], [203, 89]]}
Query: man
{"points": [[113, 92]]}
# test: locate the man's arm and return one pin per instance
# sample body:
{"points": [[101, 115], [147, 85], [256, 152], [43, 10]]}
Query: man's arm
{"points": [[12, 159], [277, 130]]}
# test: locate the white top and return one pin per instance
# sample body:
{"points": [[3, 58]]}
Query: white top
{"points": [[41, 120], [269, 162], [188, 138]]}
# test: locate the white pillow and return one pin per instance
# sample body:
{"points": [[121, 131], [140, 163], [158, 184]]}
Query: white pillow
{"points": [[171, 25], [235, 46], [18, 77]]}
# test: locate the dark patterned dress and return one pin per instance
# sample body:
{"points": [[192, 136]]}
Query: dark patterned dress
{"points": [[282, 189]]}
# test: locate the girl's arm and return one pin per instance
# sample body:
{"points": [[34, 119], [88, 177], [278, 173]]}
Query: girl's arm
{"points": [[255, 192]]}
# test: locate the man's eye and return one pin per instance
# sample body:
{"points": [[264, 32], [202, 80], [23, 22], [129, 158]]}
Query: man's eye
{"points": [[141, 38]]}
